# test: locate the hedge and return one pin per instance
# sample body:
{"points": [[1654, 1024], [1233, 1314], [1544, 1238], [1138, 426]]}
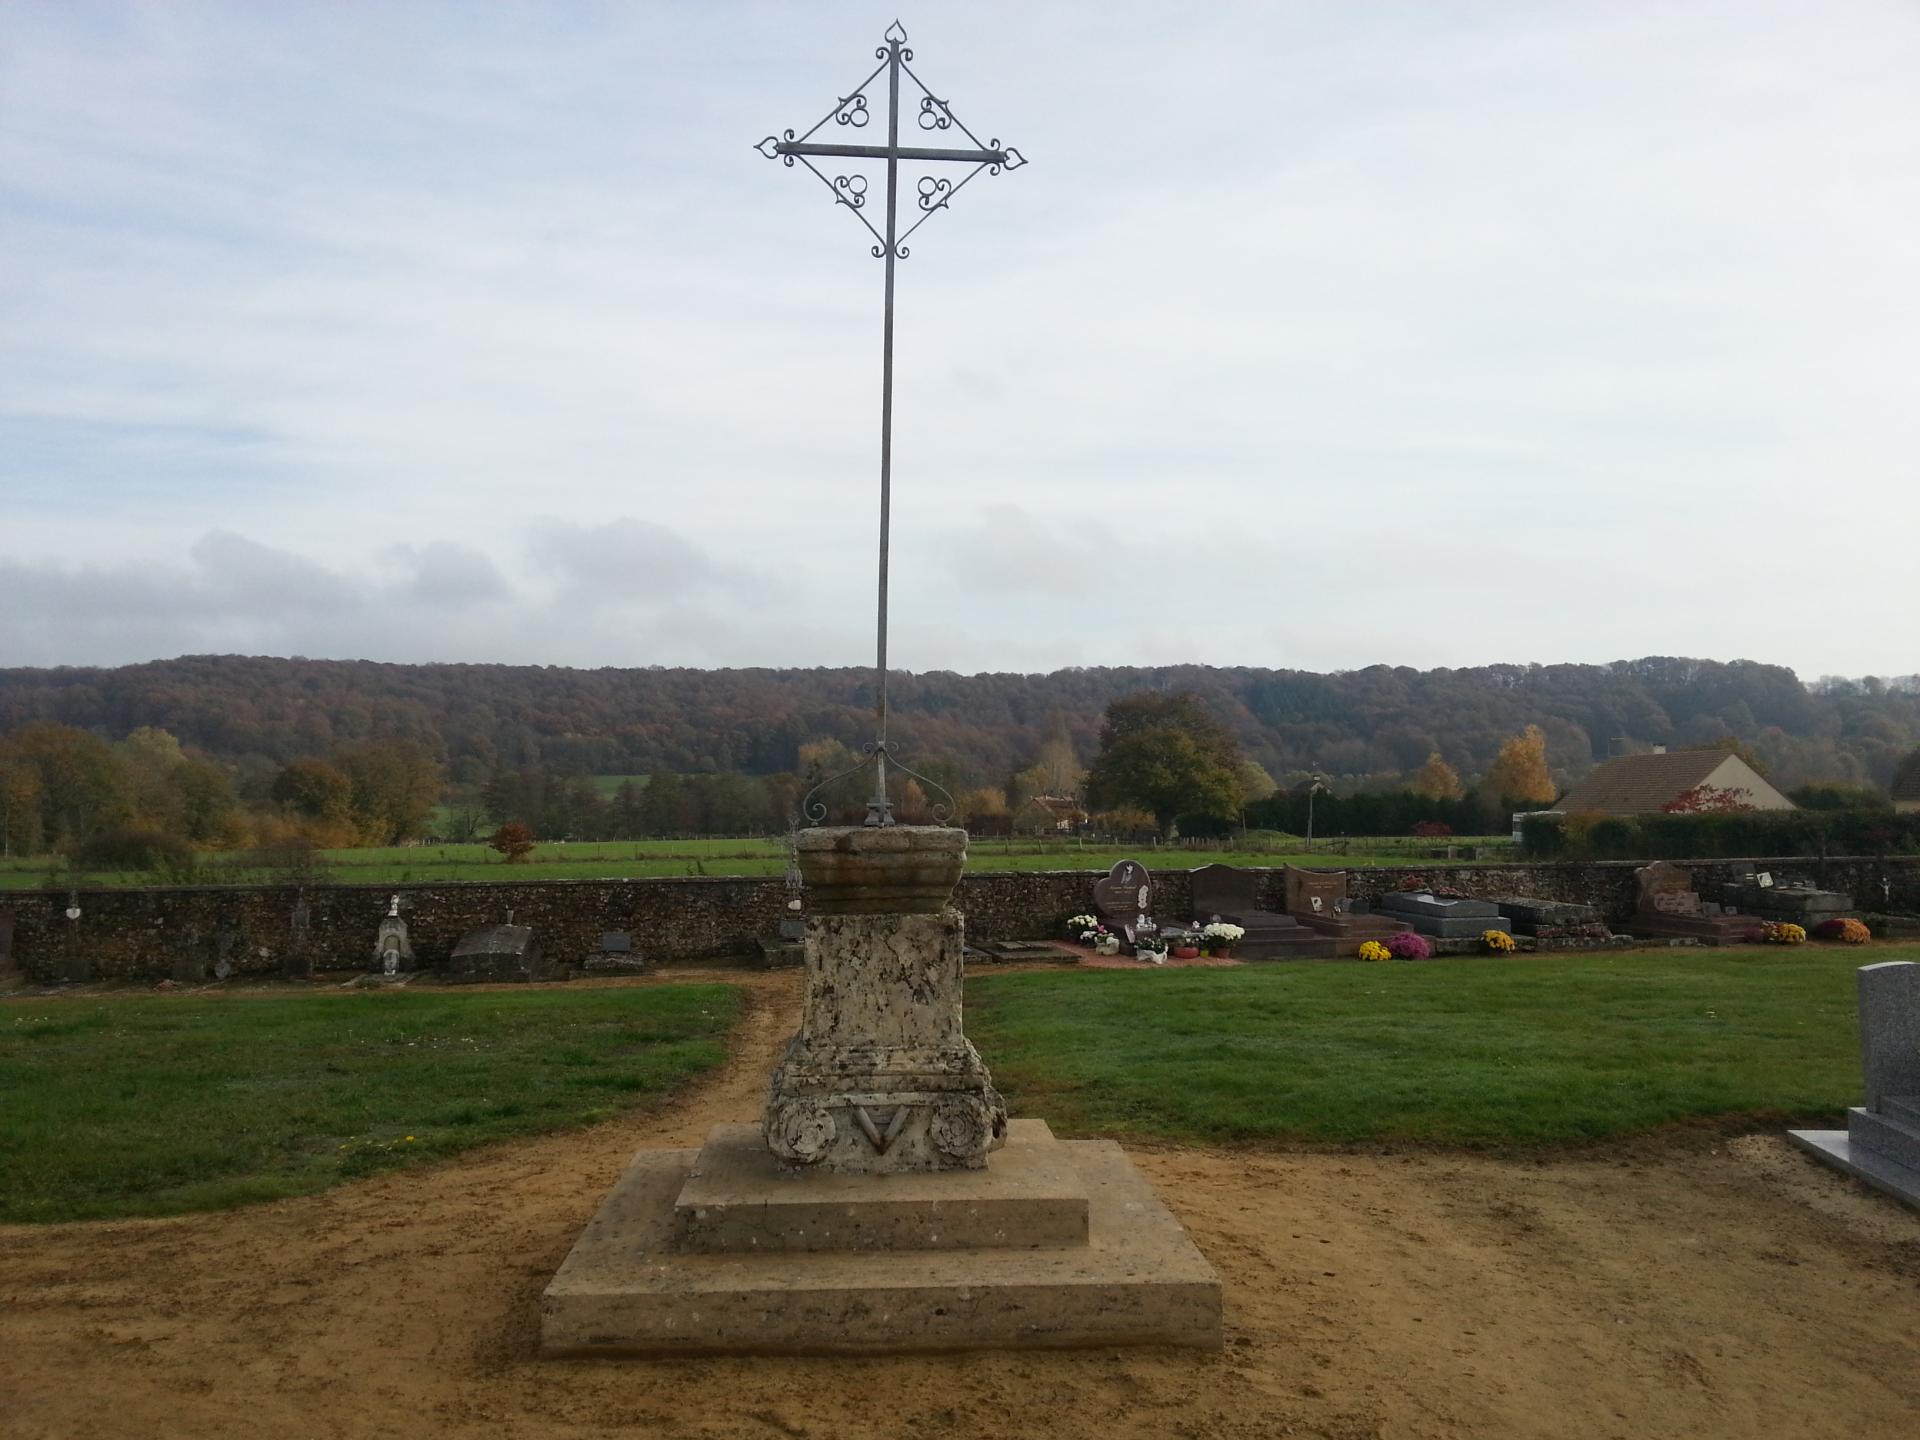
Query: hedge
{"points": [[1809, 833]]}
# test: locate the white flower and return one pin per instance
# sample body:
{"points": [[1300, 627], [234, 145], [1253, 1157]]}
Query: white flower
{"points": [[1220, 932]]}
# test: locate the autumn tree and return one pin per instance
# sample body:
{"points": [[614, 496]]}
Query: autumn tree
{"points": [[1519, 775], [1906, 778], [395, 785], [314, 790], [83, 785], [513, 840], [1059, 763], [19, 805], [1437, 780], [1166, 754]]}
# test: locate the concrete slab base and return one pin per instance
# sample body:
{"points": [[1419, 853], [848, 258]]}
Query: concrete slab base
{"points": [[633, 1285], [1832, 1147]]}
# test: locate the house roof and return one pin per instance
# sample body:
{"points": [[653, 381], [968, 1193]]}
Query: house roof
{"points": [[1641, 784]]}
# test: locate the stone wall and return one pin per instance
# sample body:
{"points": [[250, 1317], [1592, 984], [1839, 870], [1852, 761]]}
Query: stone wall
{"points": [[154, 933]]}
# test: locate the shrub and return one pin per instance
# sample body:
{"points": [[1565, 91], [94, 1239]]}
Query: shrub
{"points": [[1374, 950], [133, 847], [1498, 942], [1847, 931], [1409, 945], [1432, 829]]}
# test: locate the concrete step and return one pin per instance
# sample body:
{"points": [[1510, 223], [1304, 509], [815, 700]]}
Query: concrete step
{"points": [[738, 1199], [1893, 1136]]}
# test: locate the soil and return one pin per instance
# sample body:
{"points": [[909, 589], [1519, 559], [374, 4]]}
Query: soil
{"points": [[1688, 1284]]}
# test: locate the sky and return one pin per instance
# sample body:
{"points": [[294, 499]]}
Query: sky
{"points": [[1313, 335]]}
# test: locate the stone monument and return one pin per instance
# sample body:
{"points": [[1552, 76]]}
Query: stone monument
{"points": [[392, 952], [1124, 898], [1881, 1144], [884, 1202], [1667, 907], [880, 1078]]}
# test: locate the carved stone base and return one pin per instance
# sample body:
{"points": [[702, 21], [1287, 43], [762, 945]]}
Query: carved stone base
{"points": [[880, 1078]]}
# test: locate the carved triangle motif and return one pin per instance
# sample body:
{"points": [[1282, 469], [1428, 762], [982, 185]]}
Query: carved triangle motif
{"points": [[879, 1138]]}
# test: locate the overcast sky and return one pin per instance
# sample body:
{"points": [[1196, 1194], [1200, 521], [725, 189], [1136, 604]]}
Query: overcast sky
{"points": [[1314, 335]]}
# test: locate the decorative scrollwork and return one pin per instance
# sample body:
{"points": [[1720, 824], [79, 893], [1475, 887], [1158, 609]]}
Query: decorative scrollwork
{"points": [[878, 752], [934, 114], [852, 111], [897, 32], [850, 190], [1013, 161], [934, 192], [769, 146]]}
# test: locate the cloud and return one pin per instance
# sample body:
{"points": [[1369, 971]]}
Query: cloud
{"points": [[1313, 334], [629, 560]]}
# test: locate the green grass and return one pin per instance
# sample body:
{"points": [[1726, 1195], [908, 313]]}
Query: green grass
{"points": [[627, 859], [158, 1105], [1530, 1049]]}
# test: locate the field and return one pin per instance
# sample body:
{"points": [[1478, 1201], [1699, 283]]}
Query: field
{"points": [[154, 1105], [626, 859], [1528, 1049]]}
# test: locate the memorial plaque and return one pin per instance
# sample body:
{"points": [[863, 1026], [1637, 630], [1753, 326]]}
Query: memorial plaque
{"points": [[1313, 892], [1124, 891]]}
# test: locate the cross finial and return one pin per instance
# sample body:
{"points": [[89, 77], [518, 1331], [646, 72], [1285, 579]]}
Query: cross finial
{"points": [[931, 195]]}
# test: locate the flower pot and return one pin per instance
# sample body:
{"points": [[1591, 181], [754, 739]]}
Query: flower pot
{"points": [[1186, 952]]}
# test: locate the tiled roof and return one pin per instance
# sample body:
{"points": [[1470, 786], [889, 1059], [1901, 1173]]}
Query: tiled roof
{"points": [[1640, 784]]}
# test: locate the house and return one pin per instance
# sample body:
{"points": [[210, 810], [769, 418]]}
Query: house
{"points": [[1060, 813], [1649, 784]]}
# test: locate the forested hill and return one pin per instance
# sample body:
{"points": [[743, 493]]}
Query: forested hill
{"points": [[1353, 724]]}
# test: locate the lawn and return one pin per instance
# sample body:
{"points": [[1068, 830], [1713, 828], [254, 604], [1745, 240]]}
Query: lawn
{"points": [[626, 859], [1528, 1049], [157, 1105]]}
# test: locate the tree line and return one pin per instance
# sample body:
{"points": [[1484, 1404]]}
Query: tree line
{"points": [[1370, 729]]}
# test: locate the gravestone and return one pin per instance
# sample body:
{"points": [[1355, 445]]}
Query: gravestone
{"points": [[885, 1202], [1881, 1144], [495, 953], [1668, 907], [1551, 918], [1232, 893], [615, 956], [1804, 905], [296, 960], [1124, 898], [392, 951], [1318, 900], [1443, 917]]}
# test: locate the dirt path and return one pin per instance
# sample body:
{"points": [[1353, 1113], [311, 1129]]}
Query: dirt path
{"points": [[1675, 1287]]}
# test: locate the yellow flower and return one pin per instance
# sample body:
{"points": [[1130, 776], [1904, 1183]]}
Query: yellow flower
{"points": [[409, 1137], [1374, 950], [1498, 941]]}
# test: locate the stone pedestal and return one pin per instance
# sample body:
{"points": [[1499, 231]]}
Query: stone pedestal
{"points": [[862, 1214]]}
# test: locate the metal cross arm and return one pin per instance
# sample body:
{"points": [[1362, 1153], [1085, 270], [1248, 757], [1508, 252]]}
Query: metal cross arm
{"points": [[892, 152], [932, 194]]}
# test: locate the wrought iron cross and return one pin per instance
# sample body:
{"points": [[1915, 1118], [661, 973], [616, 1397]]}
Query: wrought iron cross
{"points": [[932, 194]]}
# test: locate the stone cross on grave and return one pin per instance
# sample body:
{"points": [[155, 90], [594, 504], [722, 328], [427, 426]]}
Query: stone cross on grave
{"points": [[932, 193]]}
